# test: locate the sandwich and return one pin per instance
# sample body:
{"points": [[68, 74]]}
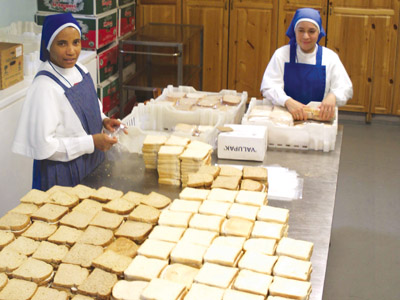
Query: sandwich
{"points": [[163, 289], [223, 195], [35, 197], [189, 193], [11, 260], [96, 236], [199, 237], [124, 246], [40, 231], [50, 253], [253, 282], [202, 291], [145, 213], [216, 275], [63, 199], [25, 209], [143, 268], [252, 198], [211, 207], [106, 194], [188, 253], [6, 238], [264, 246], [156, 200], [106, 220], [128, 290], [82, 255], [18, 289], [136, 231], [290, 288], [69, 276], [174, 218], [15, 222], [166, 233], [236, 226], [45, 293], [24, 245], [180, 273], [50, 213], [273, 214], [98, 284], [295, 248], [65, 235], [119, 206], [248, 212], [113, 262], [292, 268], [239, 295], [258, 262], [156, 249], [205, 222], [78, 219], [185, 205], [34, 270]]}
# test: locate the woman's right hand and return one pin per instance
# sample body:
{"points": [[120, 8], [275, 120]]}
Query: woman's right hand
{"points": [[103, 142], [296, 109]]}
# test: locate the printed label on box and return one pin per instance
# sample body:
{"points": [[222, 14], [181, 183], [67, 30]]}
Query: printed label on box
{"points": [[107, 63], [84, 7], [126, 16]]}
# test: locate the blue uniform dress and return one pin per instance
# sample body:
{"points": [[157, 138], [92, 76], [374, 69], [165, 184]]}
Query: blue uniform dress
{"points": [[304, 82], [84, 101]]}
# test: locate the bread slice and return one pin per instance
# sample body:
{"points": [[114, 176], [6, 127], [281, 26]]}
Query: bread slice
{"points": [[253, 282], [6, 238], [252, 198], [264, 246], [82, 191], [69, 276], [24, 245], [236, 226], [77, 219], [234, 241], [112, 262], [143, 268], [185, 205], [22, 288], [119, 206], [107, 220], [257, 262], [88, 206], [277, 298], [125, 289], [189, 193], [188, 254], [248, 212], [239, 295], [82, 255], [255, 173], [199, 237], [251, 185], [156, 200], [134, 197], [231, 99], [216, 275], [34, 270], [292, 268], [50, 213], [145, 213], [65, 235], [156, 249], [14, 222], [205, 222], [10, 260], [105, 194], [268, 230], [226, 182], [290, 288], [40, 231], [63, 199], [199, 180], [57, 188], [98, 284], [81, 297], [35, 197], [223, 195], [136, 231], [3, 280], [201, 291], [45, 293], [174, 218], [212, 170], [226, 255], [211, 207], [97, 236], [163, 289], [166, 233], [25, 209], [50, 253], [230, 171], [180, 273], [295, 248], [124, 247], [273, 214]]}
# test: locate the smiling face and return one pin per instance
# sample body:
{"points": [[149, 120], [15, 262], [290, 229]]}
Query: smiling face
{"points": [[306, 36], [66, 47]]}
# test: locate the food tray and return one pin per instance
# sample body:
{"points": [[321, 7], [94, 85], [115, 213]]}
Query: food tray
{"points": [[307, 136]]}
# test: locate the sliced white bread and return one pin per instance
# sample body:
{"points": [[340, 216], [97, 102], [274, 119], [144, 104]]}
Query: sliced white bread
{"points": [[185, 205], [40, 231], [239, 295], [167, 233], [174, 218], [188, 254], [206, 222], [24, 245], [202, 291], [69, 276], [107, 220], [10, 260], [50, 253], [82, 254], [15, 222], [199, 237], [295, 248], [46, 293], [98, 284], [290, 288], [273, 214], [128, 290], [252, 282], [65, 235], [50, 213], [35, 197], [163, 289], [180, 273], [18, 289], [113, 262], [143, 268], [156, 249], [255, 261], [34, 270], [252, 198], [145, 213], [216, 275], [124, 246], [97, 236], [6, 238], [264, 246], [136, 231], [292, 268], [119, 206]]}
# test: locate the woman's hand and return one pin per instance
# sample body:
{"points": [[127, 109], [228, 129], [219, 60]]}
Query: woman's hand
{"points": [[296, 109], [327, 107], [103, 142], [111, 124]]}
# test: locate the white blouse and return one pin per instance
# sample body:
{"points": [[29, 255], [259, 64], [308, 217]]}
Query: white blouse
{"points": [[48, 126], [337, 80]]}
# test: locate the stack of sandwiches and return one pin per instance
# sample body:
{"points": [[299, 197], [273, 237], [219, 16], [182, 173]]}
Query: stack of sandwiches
{"points": [[151, 146]]}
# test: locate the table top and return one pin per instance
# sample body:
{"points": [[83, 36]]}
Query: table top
{"points": [[310, 217]]}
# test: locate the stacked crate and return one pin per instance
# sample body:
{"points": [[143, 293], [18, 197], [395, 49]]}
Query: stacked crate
{"points": [[102, 23]]}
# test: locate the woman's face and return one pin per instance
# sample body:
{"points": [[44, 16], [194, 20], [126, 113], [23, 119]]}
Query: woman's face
{"points": [[66, 47], [306, 36]]}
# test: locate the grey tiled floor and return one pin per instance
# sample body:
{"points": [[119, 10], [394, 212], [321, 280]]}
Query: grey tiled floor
{"points": [[364, 256]]}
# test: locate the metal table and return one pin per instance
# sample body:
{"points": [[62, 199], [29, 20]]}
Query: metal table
{"points": [[310, 218]]}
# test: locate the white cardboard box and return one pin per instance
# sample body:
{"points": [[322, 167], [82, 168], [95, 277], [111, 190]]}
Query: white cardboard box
{"points": [[245, 142]]}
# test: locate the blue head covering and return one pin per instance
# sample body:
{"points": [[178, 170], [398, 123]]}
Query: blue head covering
{"points": [[305, 14], [52, 25]]}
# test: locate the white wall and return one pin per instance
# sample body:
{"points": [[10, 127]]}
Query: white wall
{"points": [[16, 10]]}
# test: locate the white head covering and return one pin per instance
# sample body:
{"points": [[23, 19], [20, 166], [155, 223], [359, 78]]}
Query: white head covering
{"points": [[53, 36], [307, 20]]}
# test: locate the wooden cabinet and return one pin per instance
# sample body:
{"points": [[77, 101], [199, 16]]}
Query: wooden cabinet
{"points": [[286, 12], [364, 34], [396, 95], [158, 11]]}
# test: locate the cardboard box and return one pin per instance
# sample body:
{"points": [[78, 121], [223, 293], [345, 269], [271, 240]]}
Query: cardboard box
{"points": [[82, 7], [126, 19], [124, 2], [97, 31], [108, 93], [107, 65], [245, 142], [11, 64]]}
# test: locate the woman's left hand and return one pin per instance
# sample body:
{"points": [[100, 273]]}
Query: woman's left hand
{"points": [[327, 108], [112, 124]]}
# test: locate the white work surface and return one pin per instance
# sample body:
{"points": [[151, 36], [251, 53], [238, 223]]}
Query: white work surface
{"points": [[16, 170]]}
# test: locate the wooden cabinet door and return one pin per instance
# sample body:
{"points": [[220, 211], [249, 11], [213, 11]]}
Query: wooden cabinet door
{"points": [[286, 12], [396, 94], [158, 11], [252, 41], [213, 15], [364, 34]]}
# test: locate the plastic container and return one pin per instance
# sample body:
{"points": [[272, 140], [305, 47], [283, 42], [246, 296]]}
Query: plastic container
{"points": [[307, 136]]}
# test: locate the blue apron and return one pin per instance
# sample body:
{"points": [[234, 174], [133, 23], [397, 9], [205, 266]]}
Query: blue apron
{"points": [[84, 101], [304, 82]]}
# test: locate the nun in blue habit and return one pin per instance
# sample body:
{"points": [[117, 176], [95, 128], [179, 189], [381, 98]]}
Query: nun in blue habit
{"points": [[61, 124], [304, 71]]}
